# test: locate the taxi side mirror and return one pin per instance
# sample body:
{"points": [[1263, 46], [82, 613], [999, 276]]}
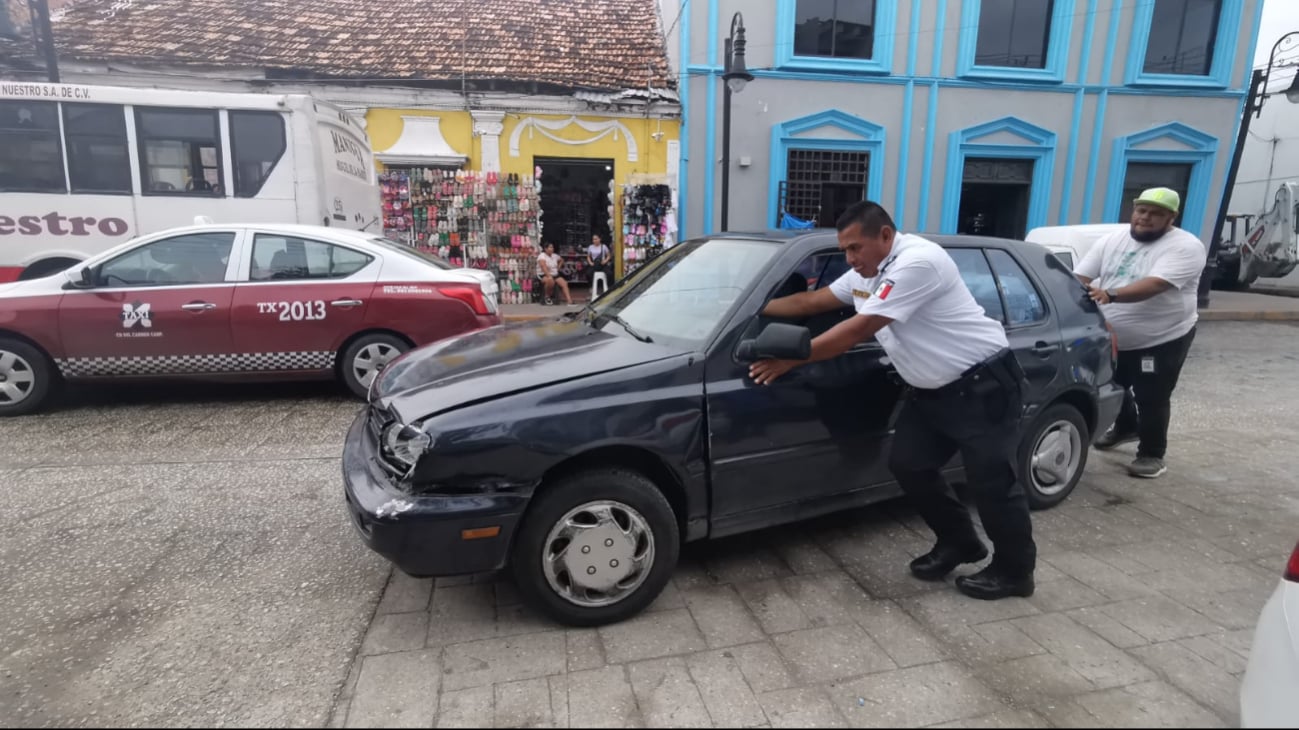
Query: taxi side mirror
{"points": [[80, 278]]}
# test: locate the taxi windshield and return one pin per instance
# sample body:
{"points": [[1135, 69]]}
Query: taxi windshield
{"points": [[412, 252], [682, 296]]}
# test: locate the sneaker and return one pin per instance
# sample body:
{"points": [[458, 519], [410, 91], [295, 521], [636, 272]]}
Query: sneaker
{"points": [[1147, 467], [1112, 438]]}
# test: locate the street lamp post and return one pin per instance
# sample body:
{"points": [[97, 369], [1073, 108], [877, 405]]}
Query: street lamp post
{"points": [[1253, 109], [736, 75]]}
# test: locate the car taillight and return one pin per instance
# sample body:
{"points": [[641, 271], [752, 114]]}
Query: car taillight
{"points": [[1292, 567], [1114, 343], [470, 295]]}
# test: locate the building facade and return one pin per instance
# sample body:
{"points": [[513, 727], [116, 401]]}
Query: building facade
{"points": [[962, 115], [575, 94]]}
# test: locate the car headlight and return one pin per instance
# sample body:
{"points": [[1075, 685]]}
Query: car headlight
{"points": [[406, 444]]}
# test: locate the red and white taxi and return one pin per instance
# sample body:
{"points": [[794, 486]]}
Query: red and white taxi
{"points": [[221, 301]]}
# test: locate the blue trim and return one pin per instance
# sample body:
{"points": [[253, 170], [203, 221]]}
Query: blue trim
{"points": [[1225, 45], [1094, 160], [710, 142], [1089, 30], [1227, 195], [927, 167], [886, 17], [1112, 44], [683, 168], [940, 28], [1063, 88], [870, 138], [1039, 145], [1057, 50], [1200, 151], [1071, 158], [904, 157], [913, 46]]}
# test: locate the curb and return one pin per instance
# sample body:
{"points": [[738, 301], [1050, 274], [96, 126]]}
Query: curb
{"points": [[1248, 316]]}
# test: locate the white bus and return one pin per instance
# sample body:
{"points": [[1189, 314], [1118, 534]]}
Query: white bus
{"points": [[84, 168]]}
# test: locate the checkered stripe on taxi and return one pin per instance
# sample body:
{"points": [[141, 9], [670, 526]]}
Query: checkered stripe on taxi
{"points": [[80, 367]]}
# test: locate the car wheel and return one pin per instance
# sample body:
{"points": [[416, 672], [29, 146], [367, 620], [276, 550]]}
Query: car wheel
{"points": [[26, 378], [1053, 455], [365, 358], [596, 548]]}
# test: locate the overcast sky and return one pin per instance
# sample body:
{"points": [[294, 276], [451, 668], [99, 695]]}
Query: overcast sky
{"points": [[1279, 17]]}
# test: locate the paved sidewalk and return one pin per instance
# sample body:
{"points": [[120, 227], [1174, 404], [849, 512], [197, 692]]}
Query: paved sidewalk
{"points": [[1147, 595], [1223, 306]]}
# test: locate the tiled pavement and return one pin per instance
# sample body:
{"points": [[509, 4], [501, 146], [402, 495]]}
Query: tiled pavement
{"points": [[1147, 596], [180, 556]]}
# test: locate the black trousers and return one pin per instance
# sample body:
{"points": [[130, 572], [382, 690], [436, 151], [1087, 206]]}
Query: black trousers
{"points": [[978, 417], [1148, 377]]}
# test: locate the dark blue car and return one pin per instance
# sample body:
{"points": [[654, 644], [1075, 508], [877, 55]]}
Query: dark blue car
{"points": [[584, 449]]}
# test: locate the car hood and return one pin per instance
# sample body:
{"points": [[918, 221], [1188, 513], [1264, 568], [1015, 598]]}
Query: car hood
{"points": [[500, 361]]}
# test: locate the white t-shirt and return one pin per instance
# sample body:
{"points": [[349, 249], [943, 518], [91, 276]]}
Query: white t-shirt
{"points": [[1118, 260], [938, 330], [548, 264]]}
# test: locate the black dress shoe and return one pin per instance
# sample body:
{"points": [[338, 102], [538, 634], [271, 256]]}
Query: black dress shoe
{"points": [[989, 585], [937, 563]]}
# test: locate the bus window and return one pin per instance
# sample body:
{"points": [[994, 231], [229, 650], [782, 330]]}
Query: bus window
{"points": [[180, 151], [97, 148], [256, 144], [31, 157]]}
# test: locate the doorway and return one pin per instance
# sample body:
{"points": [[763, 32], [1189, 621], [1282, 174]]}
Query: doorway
{"points": [[575, 204], [995, 197]]}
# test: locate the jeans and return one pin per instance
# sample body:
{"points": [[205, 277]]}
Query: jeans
{"points": [[1148, 377], [981, 422]]}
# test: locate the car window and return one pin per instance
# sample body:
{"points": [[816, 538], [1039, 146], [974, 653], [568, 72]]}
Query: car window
{"points": [[412, 252], [1023, 302], [195, 258], [1067, 258], [683, 294], [287, 258], [978, 278]]}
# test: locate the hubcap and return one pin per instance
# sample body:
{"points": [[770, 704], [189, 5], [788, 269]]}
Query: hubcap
{"points": [[371, 361], [598, 554], [16, 378], [1056, 457]]}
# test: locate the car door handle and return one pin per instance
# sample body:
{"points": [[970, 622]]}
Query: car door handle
{"points": [[347, 303], [198, 306], [1042, 349]]}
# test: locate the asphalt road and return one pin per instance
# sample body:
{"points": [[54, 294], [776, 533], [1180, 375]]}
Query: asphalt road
{"points": [[179, 556]]}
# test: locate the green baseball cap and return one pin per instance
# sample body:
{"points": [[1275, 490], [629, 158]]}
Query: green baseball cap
{"points": [[1165, 198]]}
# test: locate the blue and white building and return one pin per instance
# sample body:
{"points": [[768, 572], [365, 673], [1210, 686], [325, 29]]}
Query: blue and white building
{"points": [[992, 116]]}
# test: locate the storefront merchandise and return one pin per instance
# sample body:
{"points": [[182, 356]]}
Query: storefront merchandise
{"points": [[648, 224], [472, 219]]}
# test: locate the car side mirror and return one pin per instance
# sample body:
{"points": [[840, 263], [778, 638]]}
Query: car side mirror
{"points": [[81, 278], [778, 341]]}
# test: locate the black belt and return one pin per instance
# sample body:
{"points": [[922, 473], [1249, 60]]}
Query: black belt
{"points": [[1001, 367]]}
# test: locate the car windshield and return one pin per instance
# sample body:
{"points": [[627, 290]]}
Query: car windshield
{"points": [[412, 252], [683, 295]]}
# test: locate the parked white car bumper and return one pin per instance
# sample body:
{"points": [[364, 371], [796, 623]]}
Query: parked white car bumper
{"points": [[1269, 692]]}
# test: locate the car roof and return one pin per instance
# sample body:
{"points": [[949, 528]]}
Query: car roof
{"points": [[820, 235]]}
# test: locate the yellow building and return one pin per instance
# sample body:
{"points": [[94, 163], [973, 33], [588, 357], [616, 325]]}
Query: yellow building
{"points": [[578, 156]]}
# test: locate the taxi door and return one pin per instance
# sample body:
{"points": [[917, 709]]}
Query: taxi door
{"points": [[161, 308], [298, 300]]}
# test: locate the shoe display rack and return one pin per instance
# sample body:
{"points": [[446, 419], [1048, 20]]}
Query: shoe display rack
{"points": [[648, 224], [472, 219]]}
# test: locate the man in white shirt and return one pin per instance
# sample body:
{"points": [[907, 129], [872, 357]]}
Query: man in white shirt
{"points": [[966, 393], [1146, 281]]}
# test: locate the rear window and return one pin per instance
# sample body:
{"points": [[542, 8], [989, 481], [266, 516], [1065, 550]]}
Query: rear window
{"points": [[412, 252]]}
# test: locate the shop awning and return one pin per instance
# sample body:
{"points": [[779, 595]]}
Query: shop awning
{"points": [[421, 143]]}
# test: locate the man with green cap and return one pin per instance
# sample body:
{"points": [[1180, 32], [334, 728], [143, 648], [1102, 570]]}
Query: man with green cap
{"points": [[1146, 281]]}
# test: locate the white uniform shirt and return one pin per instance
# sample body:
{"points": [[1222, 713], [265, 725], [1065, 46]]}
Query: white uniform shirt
{"points": [[938, 330], [1118, 260]]}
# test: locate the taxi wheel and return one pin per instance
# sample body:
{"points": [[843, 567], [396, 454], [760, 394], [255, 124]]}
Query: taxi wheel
{"points": [[596, 547], [26, 378], [366, 357]]}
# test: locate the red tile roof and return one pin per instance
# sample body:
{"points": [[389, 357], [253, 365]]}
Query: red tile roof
{"points": [[586, 44]]}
